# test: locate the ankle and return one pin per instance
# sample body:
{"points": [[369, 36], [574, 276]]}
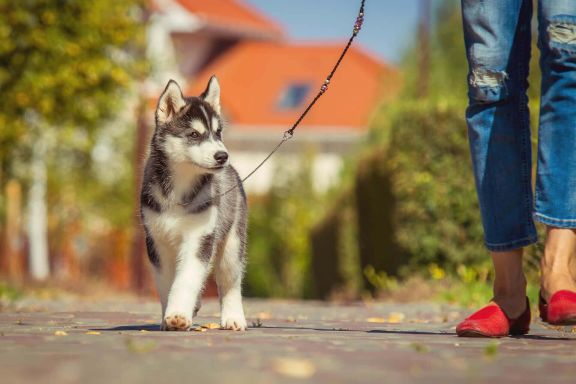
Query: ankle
{"points": [[559, 251], [512, 286], [554, 281], [513, 306]]}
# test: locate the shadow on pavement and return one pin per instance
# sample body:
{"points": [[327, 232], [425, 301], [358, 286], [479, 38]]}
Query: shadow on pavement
{"points": [[397, 332], [137, 327], [541, 337], [156, 328]]}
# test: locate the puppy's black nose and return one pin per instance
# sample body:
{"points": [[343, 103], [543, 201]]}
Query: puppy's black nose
{"points": [[221, 157]]}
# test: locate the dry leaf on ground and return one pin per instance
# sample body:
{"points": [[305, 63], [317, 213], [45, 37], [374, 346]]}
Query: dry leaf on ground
{"points": [[297, 368], [394, 317], [264, 315]]}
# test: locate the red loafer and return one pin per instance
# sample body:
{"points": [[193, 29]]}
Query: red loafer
{"points": [[561, 310], [491, 321]]}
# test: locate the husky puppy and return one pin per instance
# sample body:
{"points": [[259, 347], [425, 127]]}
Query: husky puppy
{"points": [[193, 208]]}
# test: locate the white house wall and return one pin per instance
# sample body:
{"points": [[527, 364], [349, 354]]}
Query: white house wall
{"points": [[326, 148], [172, 18], [326, 168]]}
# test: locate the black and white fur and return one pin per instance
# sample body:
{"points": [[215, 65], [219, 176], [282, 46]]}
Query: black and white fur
{"points": [[190, 226]]}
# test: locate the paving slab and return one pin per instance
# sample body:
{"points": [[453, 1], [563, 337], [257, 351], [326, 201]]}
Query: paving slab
{"points": [[117, 341]]}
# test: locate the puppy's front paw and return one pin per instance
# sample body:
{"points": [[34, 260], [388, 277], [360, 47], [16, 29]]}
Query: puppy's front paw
{"points": [[235, 322], [176, 322]]}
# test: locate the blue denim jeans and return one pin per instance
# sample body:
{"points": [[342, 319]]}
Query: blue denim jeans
{"points": [[498, 39]]}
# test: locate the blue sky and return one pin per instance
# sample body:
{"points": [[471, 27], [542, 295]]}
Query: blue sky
{"points": [[389, 26]]}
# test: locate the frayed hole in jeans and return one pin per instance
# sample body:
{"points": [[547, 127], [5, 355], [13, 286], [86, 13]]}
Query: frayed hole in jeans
{"points": [[482, 77], [562, 33]]}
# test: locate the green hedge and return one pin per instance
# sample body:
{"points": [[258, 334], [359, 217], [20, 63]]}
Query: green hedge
{"points": [[437, 218]]}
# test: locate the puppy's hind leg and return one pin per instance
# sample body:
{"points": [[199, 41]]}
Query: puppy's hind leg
{"points": [[228, 271]]}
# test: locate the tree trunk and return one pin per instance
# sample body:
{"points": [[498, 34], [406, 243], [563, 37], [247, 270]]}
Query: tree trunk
{"points": [[12, 255], [37, 214]]}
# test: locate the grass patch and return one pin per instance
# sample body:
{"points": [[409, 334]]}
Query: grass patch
{"points": [[476, 293], [8, 293]]}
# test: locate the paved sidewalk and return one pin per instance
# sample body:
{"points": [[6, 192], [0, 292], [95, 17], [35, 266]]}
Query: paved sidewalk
{"points": [[118, 342]]}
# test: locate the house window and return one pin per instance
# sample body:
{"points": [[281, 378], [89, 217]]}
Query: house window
{"points": [[293, 95]]}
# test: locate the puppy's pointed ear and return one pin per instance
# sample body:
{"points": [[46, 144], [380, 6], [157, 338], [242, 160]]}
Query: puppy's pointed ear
{"points": [[212, 94], [169, 103]]}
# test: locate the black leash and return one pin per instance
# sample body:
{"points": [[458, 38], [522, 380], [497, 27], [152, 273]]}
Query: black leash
{"points": [[288, 134]]}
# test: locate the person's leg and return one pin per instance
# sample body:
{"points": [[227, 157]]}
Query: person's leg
{"points": [[509, 282], [556, 175], [559, 252], [497, 36]]}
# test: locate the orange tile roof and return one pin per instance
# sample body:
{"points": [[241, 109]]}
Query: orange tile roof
{"points": [[254, 74], [231, 13]]}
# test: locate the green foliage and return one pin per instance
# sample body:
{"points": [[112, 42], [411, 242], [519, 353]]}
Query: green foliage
{"points": [[437, 216], [64, 59], [67, 62], [70, 63], [8, 293], [381, 281], [279, 250]]}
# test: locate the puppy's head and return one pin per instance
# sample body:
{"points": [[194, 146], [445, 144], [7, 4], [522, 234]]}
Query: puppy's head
{"points": [[189, 129]]}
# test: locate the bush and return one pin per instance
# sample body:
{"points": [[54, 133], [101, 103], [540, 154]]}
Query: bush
{"points": [[279, 248], [437, 218], [414, 197]]}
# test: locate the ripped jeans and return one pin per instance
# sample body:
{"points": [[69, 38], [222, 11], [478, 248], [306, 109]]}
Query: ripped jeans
{"points": [[498, 40]]}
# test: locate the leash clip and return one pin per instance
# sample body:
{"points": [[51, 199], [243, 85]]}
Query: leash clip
{"points": [[287, 135]]}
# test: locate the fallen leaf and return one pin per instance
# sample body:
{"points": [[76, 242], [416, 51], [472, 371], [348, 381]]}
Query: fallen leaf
{"points": [[60, 333], [395, 317], [198, 329], [211, 326], [297, 368], [264, 315], [92, 333], [144, 331]]}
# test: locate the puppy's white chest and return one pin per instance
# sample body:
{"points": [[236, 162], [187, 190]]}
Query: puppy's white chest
{"points": [[175, 224]]}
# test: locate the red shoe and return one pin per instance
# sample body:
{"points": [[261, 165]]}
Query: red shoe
{"points": [[561, 310], [491, 321]]}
